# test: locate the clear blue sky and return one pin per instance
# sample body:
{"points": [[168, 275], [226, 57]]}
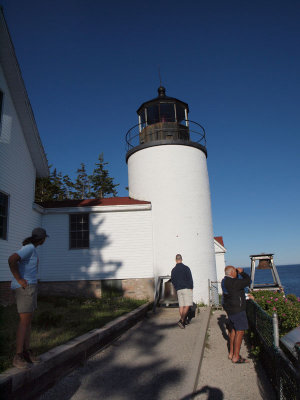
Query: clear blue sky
{"points": [[88, 65]]}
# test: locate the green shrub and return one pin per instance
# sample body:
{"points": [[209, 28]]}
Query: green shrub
{"points": [[287, 308], [292, 297]]}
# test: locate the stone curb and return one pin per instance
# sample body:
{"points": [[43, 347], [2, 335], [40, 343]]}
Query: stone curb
{"points": [[27, 384], [201, 346]]}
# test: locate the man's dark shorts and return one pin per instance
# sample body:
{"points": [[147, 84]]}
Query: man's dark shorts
{"points": [[239, 321]]}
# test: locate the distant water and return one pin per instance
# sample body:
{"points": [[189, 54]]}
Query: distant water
{"points": [[289, 276]]}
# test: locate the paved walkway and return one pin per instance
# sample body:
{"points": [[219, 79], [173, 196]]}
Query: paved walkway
{"points": [[156, 360], [220, 379]]}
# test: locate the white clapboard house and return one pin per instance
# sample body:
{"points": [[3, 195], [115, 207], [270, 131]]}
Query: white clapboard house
{"points": [[22, 157], [120, 244]]}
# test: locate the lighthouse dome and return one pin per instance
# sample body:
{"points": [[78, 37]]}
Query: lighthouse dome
{"points": [[164, 120]]}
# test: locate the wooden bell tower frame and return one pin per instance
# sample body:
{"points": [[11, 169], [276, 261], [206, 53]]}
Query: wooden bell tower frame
{"points": [[276, 285]]}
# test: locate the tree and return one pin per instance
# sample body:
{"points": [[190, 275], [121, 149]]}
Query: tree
{"points": [[58, 192], [43, 189], [68, 187], [50, 188], [101, 183], [82, 184], [57, 187]]}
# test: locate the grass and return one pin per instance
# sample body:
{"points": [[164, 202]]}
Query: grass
{"points": [[207, 335], [58, 320]]}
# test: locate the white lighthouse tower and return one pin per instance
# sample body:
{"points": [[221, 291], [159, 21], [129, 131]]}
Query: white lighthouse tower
{"points": [[167, 165]]}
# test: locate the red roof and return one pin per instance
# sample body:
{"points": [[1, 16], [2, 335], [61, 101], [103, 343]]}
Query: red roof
{"points": [[219, 239], [109, 201]]}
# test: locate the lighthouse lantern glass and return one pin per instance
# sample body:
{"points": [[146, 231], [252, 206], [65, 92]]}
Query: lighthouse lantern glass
{"points": [[142, 119], [180, 112], [152, 114], [167, 112]]}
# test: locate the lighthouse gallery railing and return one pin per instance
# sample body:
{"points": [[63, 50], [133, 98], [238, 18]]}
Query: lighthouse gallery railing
{"points": [[196, 132]]}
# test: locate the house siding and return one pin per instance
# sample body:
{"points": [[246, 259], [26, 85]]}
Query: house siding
{"points": [[120, 248], [220, 262], [17, 180]]}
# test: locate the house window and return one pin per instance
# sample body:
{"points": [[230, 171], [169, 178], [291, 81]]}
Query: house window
{"points": [[79, 231], [3, 215]]}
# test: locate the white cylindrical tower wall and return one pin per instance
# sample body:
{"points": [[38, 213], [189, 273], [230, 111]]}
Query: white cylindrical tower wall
{"points": [[175, 179]]}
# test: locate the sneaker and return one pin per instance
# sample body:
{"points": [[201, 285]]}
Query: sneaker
{"points": [[180, 324], [20, 362], [29, 356]]}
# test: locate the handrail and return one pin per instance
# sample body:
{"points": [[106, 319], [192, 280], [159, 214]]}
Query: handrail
{"points": [[196, 131], [158, 290]]}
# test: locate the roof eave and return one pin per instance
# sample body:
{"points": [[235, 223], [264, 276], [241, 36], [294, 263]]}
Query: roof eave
{"points": [[93, 209], [15, 82], [222, 248]]}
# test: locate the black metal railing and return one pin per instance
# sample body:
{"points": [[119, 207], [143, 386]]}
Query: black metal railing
{"points": [[284, 375], [186, 130]]}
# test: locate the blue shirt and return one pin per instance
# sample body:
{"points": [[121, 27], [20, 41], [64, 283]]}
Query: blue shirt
{"points": [[28, 265], [181, 277]]}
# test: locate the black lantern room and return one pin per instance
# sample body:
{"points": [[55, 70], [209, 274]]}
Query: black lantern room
{"points": [[164, 120]]}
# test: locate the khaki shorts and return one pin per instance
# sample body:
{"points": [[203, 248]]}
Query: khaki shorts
{"points": [[26, 299], [185, 297]]}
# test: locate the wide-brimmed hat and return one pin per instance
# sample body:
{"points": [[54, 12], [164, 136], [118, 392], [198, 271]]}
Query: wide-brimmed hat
{"points": [[39, 233]]}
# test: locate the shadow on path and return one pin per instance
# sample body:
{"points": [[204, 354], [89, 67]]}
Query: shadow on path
{"points": [[264, 385], [223, 324], [134, 367], [212, 393]]}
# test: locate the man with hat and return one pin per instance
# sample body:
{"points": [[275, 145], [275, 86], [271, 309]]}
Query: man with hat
{"points": [[24, 267]]}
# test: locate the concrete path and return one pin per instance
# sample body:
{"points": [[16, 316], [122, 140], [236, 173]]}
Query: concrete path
{"points": [[154, 360], [220, 379]]}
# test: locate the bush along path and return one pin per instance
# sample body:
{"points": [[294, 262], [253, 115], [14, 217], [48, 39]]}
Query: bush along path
{"points": [[287, 308]]}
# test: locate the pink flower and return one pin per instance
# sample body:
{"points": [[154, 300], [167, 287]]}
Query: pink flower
{"points": [[268, 301], [274, 308], [276, 299], [271, 298], [262, 297], [298, 298], [284, 315], [285, 300]]}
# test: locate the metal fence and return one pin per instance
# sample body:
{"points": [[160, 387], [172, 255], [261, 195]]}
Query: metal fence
{"points": [[214, 294], [283, 373]]}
